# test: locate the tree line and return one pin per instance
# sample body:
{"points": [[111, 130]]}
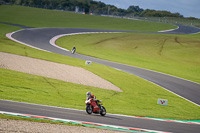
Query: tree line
{"points": [[90, 6]]}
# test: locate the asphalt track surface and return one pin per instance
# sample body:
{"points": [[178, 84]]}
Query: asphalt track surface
{"points": [[39, 37], [96, 118]]}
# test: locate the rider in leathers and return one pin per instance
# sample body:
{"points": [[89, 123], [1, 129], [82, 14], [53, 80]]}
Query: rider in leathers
{"points": [[89, 95]]}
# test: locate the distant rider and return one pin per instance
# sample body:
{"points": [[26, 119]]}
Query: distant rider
{"points": [[74, 48]]}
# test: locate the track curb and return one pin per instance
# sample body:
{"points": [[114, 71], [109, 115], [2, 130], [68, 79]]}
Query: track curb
{"points": [[83, 123]]}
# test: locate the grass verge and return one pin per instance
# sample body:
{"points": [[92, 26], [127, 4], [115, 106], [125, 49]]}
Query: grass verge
{"points": [[158, 52], [36, 17]]}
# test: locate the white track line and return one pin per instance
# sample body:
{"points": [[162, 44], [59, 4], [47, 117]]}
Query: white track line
{"points": [[136, 117], [169, 29], [9, 35], [53, 40], [81, 122]]}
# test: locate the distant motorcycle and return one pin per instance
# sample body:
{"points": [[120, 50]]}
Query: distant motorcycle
{"points": [[73, 51], [96, 107]]}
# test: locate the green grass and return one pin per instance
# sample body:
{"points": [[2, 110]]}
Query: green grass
{"points": [[139, 97], [174, 20], [172, 54], [35, 17]]}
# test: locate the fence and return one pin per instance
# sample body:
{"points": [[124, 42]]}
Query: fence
{"points": [[171, 20]]}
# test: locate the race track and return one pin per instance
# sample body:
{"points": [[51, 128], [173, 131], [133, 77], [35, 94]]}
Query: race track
{"points": [[40, 37], [110, 119]]}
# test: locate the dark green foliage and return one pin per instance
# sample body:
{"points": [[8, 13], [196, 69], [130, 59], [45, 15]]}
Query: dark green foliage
{"points": [[154, 13]]}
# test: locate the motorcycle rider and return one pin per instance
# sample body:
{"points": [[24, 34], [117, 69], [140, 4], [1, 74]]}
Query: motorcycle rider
{"points": [[89, 95], [74, 48], [94, 105]]}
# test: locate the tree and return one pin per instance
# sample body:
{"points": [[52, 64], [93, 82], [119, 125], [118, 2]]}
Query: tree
{"points": [[135, 9]]}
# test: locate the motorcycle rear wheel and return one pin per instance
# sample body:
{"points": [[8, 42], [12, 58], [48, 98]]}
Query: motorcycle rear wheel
{"points": [[89, 109]]}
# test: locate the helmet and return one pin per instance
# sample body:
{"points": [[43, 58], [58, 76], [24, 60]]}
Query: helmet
{"points": [[88, 94]]}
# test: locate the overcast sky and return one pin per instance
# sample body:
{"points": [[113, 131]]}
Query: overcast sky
{"points": [[187, 8]]}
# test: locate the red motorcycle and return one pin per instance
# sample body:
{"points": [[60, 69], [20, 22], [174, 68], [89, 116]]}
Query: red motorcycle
{"points": [[95, 106]]}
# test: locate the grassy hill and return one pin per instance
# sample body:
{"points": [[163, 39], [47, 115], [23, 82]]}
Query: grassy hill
{"points": [[172, 54], [36, 17], [139, 97]]}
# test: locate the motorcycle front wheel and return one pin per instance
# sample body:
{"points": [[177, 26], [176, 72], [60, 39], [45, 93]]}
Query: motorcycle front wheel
{"points": [[103, 111], [89, 109]]}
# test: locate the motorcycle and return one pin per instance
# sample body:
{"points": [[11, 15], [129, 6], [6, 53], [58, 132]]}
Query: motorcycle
{"points": [[73, 51], [96, 107]]}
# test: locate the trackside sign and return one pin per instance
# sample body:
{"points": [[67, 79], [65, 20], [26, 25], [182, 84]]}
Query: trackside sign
{"points": [[87, 62], [163, 102]]}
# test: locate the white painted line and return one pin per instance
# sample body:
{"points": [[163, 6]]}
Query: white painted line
{"points": [[194, 33], [9, 35], [164, 87], [169, 30], [177, 94], [53, 40], [42, 105], [136, 117], [81, 122]]}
